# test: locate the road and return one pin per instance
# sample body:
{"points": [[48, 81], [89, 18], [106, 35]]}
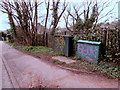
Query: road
{"points": [[32, 72], [4, 75], [6, 81]]}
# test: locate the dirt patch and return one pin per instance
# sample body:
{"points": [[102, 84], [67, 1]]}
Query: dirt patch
{"points": [[47, 57], [43, 56], [76, 67], [80, 66]]}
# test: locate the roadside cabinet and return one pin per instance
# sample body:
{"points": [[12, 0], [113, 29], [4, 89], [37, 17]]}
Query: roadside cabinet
{"points": [[59, 43], [68, 48], [89, 50], [63, 44]]}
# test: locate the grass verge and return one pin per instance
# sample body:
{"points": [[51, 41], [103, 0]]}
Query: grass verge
{"points": [[35, 49]]}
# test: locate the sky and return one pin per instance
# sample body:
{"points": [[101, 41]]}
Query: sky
{"points": [[4, 22]]}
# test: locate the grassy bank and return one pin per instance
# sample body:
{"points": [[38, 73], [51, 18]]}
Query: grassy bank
{"points": [[35, 49]]}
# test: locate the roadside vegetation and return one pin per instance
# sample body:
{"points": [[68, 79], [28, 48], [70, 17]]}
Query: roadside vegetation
{"points": [[110, 70], [107, 69], [35, 49]]}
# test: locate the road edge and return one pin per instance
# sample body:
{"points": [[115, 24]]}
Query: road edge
{"points": [[12, 77]]}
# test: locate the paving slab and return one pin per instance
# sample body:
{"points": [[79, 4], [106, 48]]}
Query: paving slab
{"points": [[64, 59]]}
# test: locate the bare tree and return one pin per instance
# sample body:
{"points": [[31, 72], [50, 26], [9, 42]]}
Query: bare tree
{"points": [[25, 15], [81, 20], [46, 21], [6, 8], [91, 13], [55, 15]]}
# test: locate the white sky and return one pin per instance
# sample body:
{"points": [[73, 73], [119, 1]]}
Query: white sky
{"points": [[4, 23]]}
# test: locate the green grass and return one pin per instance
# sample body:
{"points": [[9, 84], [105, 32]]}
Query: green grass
{"points": [[58, 53], [12, 44], [35, 49]]}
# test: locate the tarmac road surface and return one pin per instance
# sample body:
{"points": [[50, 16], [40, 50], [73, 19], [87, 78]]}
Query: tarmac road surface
{"points": [[6, 81], [4, 76]]}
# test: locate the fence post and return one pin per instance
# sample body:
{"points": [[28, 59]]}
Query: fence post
{"points": [[105, 40]]}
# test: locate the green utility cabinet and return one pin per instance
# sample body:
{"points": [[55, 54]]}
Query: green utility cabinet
{"points": [[63, 44], [89, 50], [68, 48]]}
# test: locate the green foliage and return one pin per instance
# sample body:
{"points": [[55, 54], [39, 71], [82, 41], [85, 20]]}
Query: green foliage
{"points": [[3, 34], [12, 44], [110, 58], [88, 22], [36, 49], [58, 53], [79, 24], [9, 31], [108, 69]]}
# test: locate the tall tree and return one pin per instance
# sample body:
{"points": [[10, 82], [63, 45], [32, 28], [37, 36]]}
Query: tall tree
{"points": [[6, 8], [86, 18], [23, 14], [45, 39], [55, 15]]}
